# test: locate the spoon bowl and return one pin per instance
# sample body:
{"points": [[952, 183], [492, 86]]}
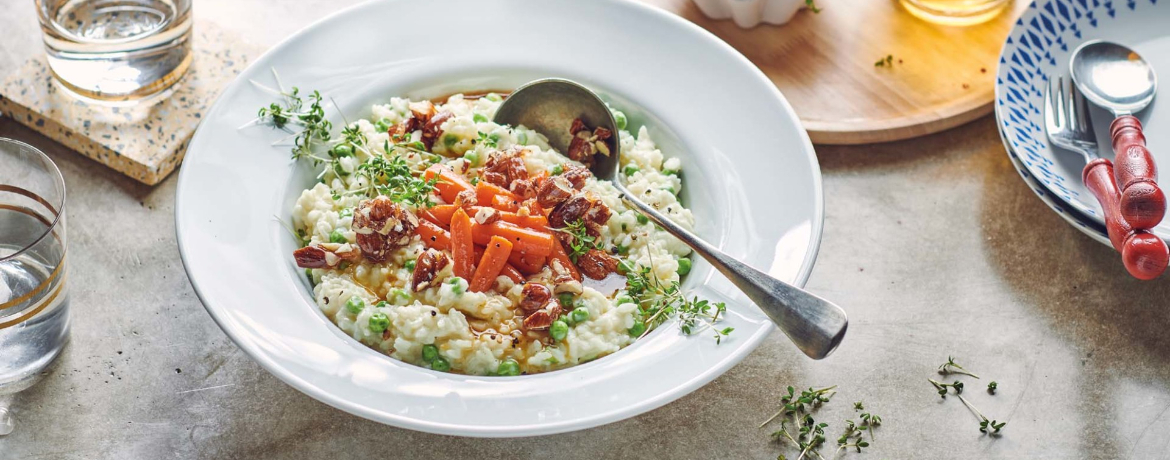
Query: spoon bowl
{"points": [[549, 106], [1113, 76]]}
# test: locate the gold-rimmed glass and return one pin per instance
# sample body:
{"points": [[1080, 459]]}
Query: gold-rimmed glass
{"points": [[34, 302]]}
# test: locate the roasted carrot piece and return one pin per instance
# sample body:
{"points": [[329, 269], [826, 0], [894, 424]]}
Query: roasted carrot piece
{"points": [[433, 236], [559, 255], [495, 257], [462, 245], [495, 196], [440, 214], [513, 273], [524, 240], [527, 264], [449, 184], [532, 221]]}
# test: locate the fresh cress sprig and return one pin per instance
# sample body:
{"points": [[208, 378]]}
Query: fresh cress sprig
{"points": [[658, 301]]}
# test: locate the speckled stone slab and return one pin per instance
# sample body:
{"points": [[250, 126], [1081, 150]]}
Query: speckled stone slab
{"points": [[146, 141]]}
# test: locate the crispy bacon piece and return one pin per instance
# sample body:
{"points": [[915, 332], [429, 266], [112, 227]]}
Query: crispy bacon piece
{"points": [[427, 264], [326, 255], [597, 264], [540, 320], [434, 127], [554, 191], [382, 225]]}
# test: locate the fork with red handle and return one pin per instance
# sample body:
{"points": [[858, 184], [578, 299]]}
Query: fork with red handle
{"points": [[1066, 119]]}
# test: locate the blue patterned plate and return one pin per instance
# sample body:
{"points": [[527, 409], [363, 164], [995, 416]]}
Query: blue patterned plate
{"points": [[1038, 48]]}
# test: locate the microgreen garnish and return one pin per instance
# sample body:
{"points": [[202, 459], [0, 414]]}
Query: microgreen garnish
{"points": [[986, 425], [488, 140], [951, 367], [852, 433], [581, 241], [657, 301], [991, 387], [809, 435], [395, 179], [812, 6], [858, 406], [887, 61]]}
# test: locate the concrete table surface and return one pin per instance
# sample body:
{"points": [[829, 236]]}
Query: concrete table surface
{"points": [[934, 246]]}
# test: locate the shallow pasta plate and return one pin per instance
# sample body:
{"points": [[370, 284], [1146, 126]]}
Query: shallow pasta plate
{"points": [[752, 181]]}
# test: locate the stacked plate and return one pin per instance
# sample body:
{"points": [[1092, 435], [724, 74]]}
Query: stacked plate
{"points": [[1039, 48]]}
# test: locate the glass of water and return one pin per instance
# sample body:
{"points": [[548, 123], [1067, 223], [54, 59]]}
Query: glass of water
{"points": [[34, 302], [117, 50]]}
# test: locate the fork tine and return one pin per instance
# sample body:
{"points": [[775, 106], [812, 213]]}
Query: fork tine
{"points": [[1057, 101], [1071, 106], [1086, 122]]}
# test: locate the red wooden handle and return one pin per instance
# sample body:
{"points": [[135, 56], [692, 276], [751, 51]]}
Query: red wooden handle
{"points": [[1145, 255], [1142, 202]]}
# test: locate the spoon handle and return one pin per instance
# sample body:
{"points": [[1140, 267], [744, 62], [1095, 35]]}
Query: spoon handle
{"points": [[1142, 202], [814, 324], [1144, 255]]}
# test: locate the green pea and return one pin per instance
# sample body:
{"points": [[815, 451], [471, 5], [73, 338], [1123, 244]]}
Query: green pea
{"points": [[579, 315], [381, 304], [449, 140], [379, 322], [397, 293], [522, 138], [456, 286], [508, 367], [337, 237], [355, 305], [642, 219], [429, 353], [620, 119], [630, 170], [558, 330], [684, 266], [623, 299], [565, 298], [493, 97], [342, 150], [471, 157], [347, 212], [440, 364], [479, 118], [558, 169], [409, 265], [638, 329]]}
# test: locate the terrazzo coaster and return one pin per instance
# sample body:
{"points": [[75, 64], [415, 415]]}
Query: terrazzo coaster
{"points": [[145, 142]]}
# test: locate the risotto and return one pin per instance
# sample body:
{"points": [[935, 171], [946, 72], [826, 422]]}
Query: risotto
{"points": [[447, 241]]}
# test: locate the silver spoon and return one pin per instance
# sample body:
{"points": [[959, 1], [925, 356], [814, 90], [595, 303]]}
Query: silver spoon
{"points": [[549, 106], [1116, 78]]}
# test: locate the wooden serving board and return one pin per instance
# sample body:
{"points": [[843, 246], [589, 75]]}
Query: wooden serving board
{"points": [[941, 77]]}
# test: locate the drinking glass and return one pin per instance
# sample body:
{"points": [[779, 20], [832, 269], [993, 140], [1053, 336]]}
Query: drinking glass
{"points": [[116, 50], [955, 12], [34, 302]]}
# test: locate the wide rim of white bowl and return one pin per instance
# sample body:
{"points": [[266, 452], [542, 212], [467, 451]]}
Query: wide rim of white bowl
{"points": [[259, 346]]}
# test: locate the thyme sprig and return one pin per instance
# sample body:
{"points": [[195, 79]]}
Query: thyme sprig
{"points": [[580, 240], [986, 425], [658, 301], [951, 367]]}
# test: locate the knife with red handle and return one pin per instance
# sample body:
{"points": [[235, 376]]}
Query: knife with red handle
{"points": [[1144, 254], [1142, 202]]}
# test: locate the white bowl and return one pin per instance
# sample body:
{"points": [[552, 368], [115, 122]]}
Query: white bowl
{"points": [[751, 174], [750, 13]]}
